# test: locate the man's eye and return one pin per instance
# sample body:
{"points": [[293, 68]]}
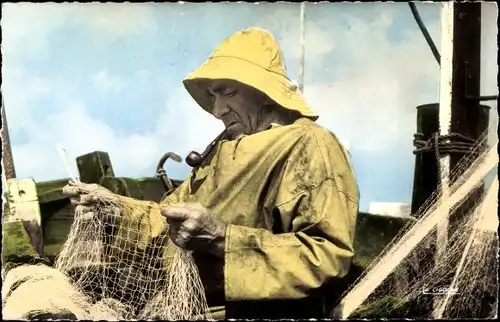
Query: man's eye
{"points": [[211, 95], [229, 93]]}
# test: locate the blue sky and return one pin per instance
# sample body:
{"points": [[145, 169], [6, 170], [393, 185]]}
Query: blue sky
{"points": [[108, 77]]}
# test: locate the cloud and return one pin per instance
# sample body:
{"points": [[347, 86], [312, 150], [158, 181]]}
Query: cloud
{"points": [[185, 120], [113, 21], [181, 128], [367, 64], [79, 133], [285, 25], [27, 28], [373, 104], [20, 104], [103, 80], [317, 42]]}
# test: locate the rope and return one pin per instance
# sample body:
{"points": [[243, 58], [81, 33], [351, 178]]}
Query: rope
{"points": [[443, 144], [435, 139], [453, 143]]}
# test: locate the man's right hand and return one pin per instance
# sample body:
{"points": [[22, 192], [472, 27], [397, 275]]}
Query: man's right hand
{"points": [[91, 200]]}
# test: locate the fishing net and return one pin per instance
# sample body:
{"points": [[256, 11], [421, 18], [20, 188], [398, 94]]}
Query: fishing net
{"points": [[24, 289], [113, 257], [425, 273], [111, 269]]}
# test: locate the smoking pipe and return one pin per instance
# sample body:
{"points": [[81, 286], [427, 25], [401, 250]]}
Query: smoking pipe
{"points": [[195, 159]]}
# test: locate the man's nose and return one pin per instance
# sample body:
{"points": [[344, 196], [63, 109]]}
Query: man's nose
{"points": [[220, 107]]}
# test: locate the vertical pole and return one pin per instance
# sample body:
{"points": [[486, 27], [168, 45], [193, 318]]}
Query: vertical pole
{"points": [[468, 117], [445, 110], [458, 113], [466, 111], [302, 46], [9, 171]]}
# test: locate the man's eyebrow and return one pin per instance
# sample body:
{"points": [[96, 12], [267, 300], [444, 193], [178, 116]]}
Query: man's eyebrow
{"points": [[216, 88]]}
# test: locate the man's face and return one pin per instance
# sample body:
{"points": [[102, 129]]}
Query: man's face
{"points": [[238, 106]]}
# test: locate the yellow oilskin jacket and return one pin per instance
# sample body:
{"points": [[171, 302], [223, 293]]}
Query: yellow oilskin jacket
{"points": [[290, 199]]}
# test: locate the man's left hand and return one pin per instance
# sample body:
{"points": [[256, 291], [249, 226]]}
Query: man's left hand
{"points": [[192, 227]]}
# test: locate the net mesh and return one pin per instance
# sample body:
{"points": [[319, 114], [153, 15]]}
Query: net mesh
{"points": [[419, 275], [127, 269], [123, 276]]}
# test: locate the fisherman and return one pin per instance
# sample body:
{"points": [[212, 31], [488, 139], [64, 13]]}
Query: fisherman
{"points": [[270, 214]]}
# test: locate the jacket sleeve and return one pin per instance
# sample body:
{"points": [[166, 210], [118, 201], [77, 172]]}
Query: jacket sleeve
{"points": [[142, 224], [141, 221], [317, 202]]}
